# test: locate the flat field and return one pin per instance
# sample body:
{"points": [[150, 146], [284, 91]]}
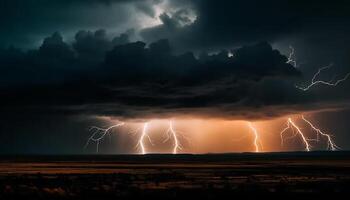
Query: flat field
{"points": [[175, 176]]}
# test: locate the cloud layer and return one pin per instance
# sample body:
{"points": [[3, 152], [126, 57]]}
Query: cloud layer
{"points": [[99, 76], [101, 73]]}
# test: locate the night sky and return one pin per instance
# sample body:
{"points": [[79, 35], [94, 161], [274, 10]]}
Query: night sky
{"points": [[211, 66]]}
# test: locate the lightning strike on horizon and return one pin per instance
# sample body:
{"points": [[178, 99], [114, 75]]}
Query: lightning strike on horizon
{"points": [[172, 133], [256, 136], [177, 136], [291, 125], [330, 143], [315, 82], [143, 135], [101, 133]]}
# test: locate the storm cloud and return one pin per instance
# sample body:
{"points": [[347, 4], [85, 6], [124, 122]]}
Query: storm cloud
{"points": [[234, 23], [99, 76], [110, 71]]}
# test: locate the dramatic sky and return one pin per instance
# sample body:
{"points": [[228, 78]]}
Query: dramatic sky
{"points": [[211, 66]]}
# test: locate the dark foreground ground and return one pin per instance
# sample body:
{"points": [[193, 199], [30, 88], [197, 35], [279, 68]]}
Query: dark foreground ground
{"points": [[302, 175]]}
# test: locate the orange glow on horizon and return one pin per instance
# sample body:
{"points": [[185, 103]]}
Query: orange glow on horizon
{"points": [[198, 136]]}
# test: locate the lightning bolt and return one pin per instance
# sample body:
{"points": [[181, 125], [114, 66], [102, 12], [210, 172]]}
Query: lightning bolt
{"points": [[99, 134], [330, 143], [291, 125], [315, 82], [144, 134], [291, 60], [291, 57], [176, 135], [173, 133], [256, 136]]}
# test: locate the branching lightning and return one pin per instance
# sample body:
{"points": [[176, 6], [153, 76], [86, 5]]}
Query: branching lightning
{"points": [[330, 143], [172, 133], [296, 131], [99, 134], [177, 136], [256, 137], [141, 140], [315, 82]]}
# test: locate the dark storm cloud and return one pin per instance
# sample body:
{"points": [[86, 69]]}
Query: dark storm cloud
{"points": [[99, 76], [91, 47], [26, 22], [217, 25], [95, 72], [227, 23], [55, 60]]}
